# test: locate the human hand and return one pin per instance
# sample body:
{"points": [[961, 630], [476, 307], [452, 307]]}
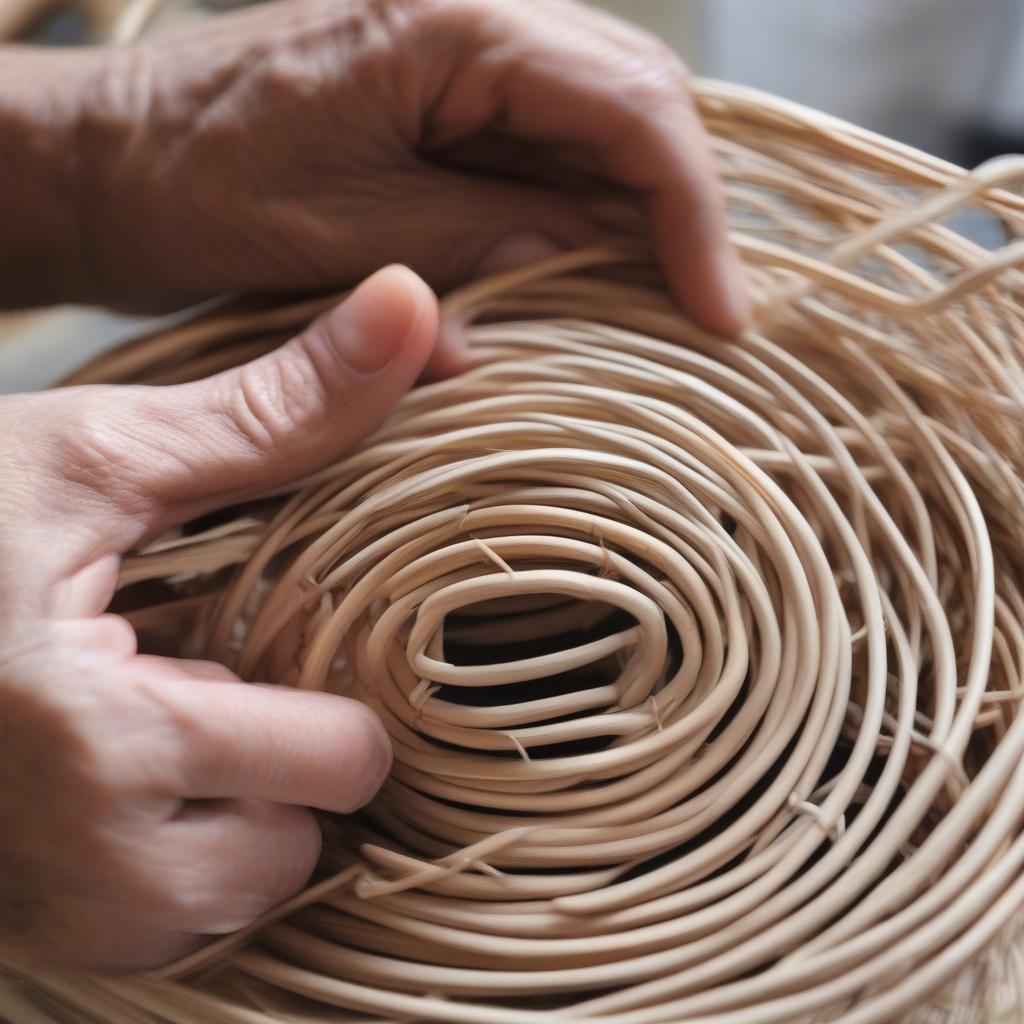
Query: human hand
{"points": [[300, 145], [144, 801]]}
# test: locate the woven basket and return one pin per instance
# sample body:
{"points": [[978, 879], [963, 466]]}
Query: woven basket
{"points": [[703, 660]]}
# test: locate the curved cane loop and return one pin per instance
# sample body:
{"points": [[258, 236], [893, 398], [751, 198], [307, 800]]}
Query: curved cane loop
{"points": [[702, 659]]}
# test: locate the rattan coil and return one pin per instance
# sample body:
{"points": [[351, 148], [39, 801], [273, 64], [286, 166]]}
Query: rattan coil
{"points": [[702, 659]]}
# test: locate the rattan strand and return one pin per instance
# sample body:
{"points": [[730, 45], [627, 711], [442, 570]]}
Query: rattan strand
{"points": [[702, 660]]}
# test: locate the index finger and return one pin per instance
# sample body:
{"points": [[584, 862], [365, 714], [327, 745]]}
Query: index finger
{"points": [[261, 742]]}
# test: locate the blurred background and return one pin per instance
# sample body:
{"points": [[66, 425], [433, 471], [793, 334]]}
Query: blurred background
{"points": [[946, 76]]}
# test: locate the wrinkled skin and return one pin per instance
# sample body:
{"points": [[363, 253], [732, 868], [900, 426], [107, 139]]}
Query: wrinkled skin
{"points": [[146, 803], [302, 145]]}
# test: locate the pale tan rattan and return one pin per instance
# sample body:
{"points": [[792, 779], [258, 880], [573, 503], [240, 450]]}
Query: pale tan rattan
{"points": [[780, 775]]}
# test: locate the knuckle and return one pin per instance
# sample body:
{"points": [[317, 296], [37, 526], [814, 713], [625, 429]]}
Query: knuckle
{"points": [[273, 399], [400, 13], [204, 888], [88, 450], [102, 445], [160, 753], [117, 634], [374, 30], [668, 61], [190, 894], [655, 80]]}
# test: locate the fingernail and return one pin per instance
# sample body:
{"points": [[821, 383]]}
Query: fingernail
{"points": [[517, 250], [373, 324]]}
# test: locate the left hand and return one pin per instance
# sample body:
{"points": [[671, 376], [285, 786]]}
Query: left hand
{"points": [[302, 144], [147, 802]]}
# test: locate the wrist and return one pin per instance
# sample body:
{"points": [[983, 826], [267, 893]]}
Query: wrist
{"points": [[41, 201]]}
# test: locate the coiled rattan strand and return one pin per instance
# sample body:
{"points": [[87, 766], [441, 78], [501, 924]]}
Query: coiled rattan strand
{"points": [[780, 774]]}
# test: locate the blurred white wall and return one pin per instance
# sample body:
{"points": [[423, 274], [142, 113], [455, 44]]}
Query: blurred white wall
{"points": [[917, 70], [923, 71], [38, 349], [679, 22]]}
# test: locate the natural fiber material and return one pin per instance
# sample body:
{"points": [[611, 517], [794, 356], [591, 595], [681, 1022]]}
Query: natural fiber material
{"points": [[702, 659]]}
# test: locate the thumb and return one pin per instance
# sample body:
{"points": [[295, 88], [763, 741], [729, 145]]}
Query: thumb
{"points": [[198, 446]]}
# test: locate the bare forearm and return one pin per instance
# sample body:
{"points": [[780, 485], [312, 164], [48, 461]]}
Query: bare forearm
{"points": [[41, 258]]}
